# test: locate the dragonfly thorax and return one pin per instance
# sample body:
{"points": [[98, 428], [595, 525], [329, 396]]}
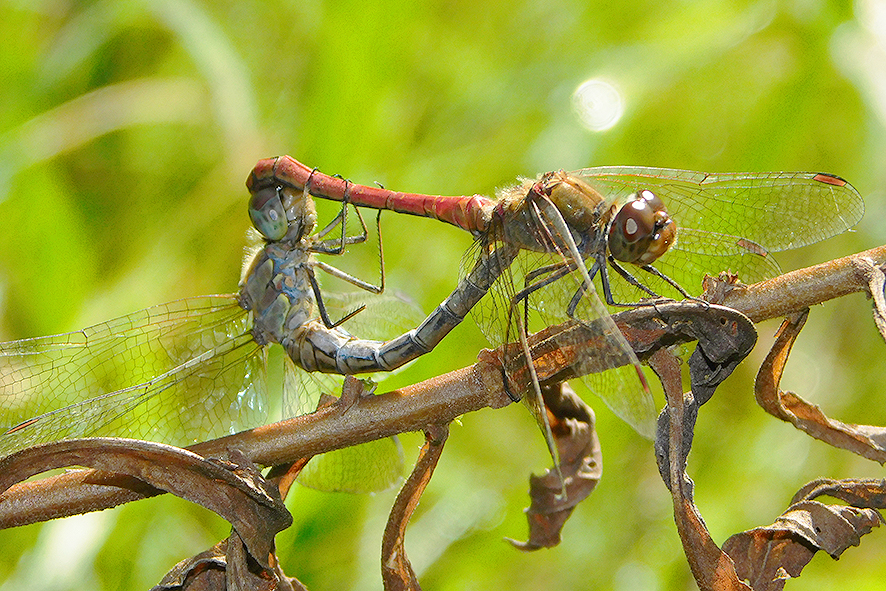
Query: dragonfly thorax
{"points": [[277, 291], [282, 213], [577, 203], [642, 230]]}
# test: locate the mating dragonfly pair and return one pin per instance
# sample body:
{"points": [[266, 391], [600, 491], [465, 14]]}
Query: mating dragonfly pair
{"points": [[196, 368]]}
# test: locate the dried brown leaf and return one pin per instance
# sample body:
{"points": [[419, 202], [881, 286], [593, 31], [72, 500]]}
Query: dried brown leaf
{"points": [[768, 556], [235, 491], [869, 493], [581, 465], [868, 441], [877, 288], [205, 571], [226, 566], [724, 339], [711, 568]]}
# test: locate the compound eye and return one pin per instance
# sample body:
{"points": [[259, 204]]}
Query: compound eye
{"points": [[636, 220], [642, 230], [655, 203], [267, 213]]}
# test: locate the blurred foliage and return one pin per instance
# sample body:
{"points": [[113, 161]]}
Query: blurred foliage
{"points": [[128, 128]]}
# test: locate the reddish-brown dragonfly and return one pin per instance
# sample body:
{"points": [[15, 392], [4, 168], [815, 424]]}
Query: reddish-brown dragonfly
{"points": [[565, 228]]}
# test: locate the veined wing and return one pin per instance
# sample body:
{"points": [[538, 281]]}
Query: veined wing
{"points": [[622, 388], [373, 466], [384, 315], [178, 373], [686, 265], [606, 362], [370, 467], [732, 221], [775, 210]]}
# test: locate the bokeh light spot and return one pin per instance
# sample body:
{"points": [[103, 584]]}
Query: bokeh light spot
{"points": [[597, 104]]}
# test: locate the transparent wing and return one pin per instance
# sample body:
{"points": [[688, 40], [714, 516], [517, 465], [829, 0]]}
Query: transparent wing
{"points": [[622, 388], [302, 389], [700, 253], [177, 373], [777, 210], [731, 221], [609, 367], [384, 317], [370, 467], [606, 362]]}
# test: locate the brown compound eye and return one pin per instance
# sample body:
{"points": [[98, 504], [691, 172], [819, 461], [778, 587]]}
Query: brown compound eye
{"points": [[268, 214], [642, 230], [652, 199]]}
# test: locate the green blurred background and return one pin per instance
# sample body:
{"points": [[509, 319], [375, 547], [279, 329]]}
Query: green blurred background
{"points": [[127, 130]]}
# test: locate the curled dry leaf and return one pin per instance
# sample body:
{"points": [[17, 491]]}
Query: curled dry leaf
{"points": [[725, 337], [581, 464], [874, 275], [226, 566], [869, 493], [877, 287], [867, 441], [711, 568], [767, 556]]}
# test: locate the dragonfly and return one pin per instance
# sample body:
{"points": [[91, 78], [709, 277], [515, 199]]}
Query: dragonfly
{"points": [[197, 368], [566, 228]]}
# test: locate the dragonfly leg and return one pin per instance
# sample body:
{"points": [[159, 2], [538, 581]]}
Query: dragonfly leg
{"points": [[337, 246], [557, 271], [318, 298], [530, 276], [604, 277], [338, 273], [364, 285], [340, 218], [653, 271], [580, 292], [329, 246], [333, 248]]}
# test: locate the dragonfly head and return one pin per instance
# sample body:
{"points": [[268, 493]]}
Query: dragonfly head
{"points": [[642, 230], [280, 212]]}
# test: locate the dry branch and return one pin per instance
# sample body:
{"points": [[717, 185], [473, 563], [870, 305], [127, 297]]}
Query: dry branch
{"points": [[436, 400]]}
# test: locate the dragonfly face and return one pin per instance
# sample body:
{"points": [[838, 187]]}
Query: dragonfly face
{"points": [[282, 213], [642, 230]]}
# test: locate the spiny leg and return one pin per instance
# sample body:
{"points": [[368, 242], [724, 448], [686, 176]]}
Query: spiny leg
{"points": [[582, 289], [337, 246], [364, 285], [558, 271], [338, 273], [653, 271], [638, 284], [607, 291], [321, 306]]}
